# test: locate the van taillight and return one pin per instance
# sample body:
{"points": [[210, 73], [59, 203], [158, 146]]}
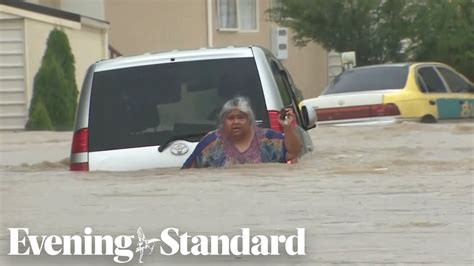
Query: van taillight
{"points": [[79, 141], [274, 116], [79, 145], [79, 167]]}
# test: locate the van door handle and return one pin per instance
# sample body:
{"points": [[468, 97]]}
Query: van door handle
{"points": [[432, 102]]}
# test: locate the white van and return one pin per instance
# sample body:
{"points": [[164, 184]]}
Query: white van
{"points": [[150, 111]]}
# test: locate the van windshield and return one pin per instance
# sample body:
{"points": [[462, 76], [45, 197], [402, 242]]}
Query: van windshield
{"points": [[149, 105], [369, 79]]}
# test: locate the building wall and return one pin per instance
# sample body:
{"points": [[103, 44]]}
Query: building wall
{"points": [[139, 26], [48, 3], [90, 8], [13, 111], [261, 37], [307, 65]]}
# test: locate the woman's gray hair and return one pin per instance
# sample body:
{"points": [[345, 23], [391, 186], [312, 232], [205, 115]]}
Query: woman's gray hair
{"points": [[240, 103]]}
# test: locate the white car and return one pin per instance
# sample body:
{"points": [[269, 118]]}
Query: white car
{"points": [[150, 111]]}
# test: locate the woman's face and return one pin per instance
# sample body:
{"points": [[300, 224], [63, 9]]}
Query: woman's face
{"points": [[236, 124]]}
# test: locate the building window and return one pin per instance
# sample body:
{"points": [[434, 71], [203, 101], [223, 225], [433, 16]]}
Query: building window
{"points": [[237, 15]]}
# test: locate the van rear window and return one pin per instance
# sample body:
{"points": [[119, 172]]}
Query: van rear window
{"points": [[149, 105], [369, 79]]}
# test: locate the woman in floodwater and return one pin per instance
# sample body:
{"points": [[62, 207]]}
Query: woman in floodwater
{"points": [[239, 141]]}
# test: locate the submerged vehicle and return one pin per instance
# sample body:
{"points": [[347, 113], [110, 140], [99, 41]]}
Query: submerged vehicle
{"points": [[425, 92], [150, 111]]}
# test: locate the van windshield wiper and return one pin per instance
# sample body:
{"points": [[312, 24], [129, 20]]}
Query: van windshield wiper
{"points": [[177, 137]]}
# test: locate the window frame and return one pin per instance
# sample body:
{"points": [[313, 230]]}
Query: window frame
{"points": [[279, 71], [237, 11], [438, 74], [448, 86]]}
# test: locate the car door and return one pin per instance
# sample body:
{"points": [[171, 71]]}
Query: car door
{"points": [[285, 87], [461, 90], [436, 92], [284, 84]]}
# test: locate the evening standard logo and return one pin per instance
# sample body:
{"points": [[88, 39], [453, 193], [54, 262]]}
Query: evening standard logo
{"points": [[172, 242]]}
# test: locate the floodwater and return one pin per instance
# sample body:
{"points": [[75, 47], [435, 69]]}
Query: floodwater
{"points": [[397, 194]]}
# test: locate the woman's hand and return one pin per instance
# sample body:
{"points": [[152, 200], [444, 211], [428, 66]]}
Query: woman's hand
{"points": [[292, 141], [287, 116]]}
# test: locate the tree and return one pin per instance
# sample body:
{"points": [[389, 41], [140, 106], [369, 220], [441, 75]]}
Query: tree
{"points": [[347, 25], [54, 100], [443, 31], [436, 30], [39, 118]]}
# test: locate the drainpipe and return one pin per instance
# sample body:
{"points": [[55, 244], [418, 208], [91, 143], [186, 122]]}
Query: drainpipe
{"points": [[209, 24]]}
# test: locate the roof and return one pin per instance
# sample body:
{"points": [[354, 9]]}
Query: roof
{"points": [[47, 10], [174, 56], [405, 64], [384, 65]]}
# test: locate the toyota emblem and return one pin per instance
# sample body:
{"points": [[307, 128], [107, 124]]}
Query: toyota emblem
{"points": [[179, 149]]}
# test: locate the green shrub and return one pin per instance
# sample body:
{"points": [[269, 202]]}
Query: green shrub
{"points": [[55, 86], [39, 118]]}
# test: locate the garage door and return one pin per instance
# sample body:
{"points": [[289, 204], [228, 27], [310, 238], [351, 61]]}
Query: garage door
{"points": [[13, 108]]}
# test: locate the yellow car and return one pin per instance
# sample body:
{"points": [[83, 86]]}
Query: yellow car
{"points": [[425, 92]]}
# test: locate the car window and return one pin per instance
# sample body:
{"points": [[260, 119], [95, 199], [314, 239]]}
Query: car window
{"points": [[369, 79], [454, 81], [284, 84], [421, 83], [429, 80], [148, 105], [282, 88]]}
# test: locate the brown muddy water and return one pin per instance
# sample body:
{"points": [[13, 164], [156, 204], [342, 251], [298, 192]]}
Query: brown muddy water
{"points": [[398, 194]]}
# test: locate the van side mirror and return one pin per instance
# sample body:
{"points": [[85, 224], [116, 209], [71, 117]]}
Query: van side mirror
{"points": [[309, 117]]}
